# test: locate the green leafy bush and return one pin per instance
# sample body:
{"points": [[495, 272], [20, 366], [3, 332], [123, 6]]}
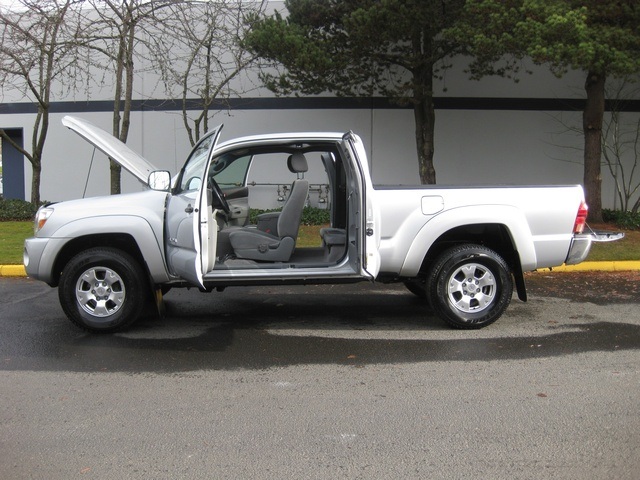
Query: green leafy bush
{"points": [[625, 220], [315, 216], [16, 210], [310, 215]]}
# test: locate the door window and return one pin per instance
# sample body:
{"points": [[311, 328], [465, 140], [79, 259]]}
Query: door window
{"points": [[191, 176], [230, 171]]}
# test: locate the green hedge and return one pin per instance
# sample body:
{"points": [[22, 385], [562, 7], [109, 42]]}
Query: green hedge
{"points": [[625, 220], [17, 210], [310, 215]]}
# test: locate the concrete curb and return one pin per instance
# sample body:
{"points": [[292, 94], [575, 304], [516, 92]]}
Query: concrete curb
{"points": [[620, 266], [12, 271]]}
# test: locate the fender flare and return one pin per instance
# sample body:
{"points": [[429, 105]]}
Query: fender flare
{"points": [[511, 217], [134, 226]]}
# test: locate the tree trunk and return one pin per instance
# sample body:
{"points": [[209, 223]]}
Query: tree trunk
{"points": [[36, 167], [124, 75], [425, 118], [425, 122], [114, 172], [592, 127], [40, 129], [121, 130], [114, 168]]}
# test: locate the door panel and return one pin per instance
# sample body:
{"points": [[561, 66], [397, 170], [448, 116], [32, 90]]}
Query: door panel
{"points": [[207, 228], [180, 245], [364, 217], [191, 232]]}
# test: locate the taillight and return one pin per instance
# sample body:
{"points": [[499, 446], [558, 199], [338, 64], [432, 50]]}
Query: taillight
{"points": [[581, 218]]}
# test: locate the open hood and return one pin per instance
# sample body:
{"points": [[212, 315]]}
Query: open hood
{"points": [[111, 146]]}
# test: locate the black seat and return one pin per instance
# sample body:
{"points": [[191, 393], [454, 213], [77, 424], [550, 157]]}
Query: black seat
{"points": [[276, 246], [334, 240]]}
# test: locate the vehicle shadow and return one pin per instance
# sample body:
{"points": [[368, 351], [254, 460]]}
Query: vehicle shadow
{"points": [[262, 330]]}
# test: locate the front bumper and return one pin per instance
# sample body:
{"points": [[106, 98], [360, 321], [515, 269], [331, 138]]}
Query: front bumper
{"points": [[581, 244], [37, 262]]}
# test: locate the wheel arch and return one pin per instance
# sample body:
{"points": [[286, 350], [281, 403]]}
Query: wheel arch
{"points": [[494, 235], [491, 235], [482, 223], [121, 241], [134, 236]]}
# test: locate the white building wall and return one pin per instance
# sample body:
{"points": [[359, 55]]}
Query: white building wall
{"points": [[471, 146]]}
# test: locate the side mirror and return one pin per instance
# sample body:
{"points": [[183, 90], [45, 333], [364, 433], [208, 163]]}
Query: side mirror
{"points": [[160, 180]]}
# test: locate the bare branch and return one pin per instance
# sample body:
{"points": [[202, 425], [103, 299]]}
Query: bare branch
{"points": [[38, 55]]}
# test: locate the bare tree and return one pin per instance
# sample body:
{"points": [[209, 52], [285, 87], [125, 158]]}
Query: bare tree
{"points": [[621, 146], [121, 32], [37, 54], [204, 54], [620, 141]]}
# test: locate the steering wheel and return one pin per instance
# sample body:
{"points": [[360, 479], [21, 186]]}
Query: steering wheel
{"points": [[218, 196]]}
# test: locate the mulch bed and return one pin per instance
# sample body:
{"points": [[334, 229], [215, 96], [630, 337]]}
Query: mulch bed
{"points": [[595, 287]]}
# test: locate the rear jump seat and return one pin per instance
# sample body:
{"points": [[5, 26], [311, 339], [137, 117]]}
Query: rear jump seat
{"points": [[334, 240]]}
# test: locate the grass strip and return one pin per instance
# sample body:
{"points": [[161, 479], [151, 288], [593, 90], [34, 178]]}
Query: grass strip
{"points": [[12, 236]]}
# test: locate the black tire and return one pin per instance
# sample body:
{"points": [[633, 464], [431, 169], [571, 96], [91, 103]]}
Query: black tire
{"points": [[469, 286], [103, 290], [417, 286]]}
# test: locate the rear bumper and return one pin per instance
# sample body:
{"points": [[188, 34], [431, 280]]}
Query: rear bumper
{"points": [[581, 244], [579, 249]]}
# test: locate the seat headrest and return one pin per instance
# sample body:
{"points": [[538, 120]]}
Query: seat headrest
{"points": [[297, 163]]}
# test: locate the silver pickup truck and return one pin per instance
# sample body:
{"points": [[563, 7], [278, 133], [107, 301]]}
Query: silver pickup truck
{"points": [[462, 249]]}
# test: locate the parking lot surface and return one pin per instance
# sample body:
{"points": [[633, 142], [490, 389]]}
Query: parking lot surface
{"points": [[357, 381]]}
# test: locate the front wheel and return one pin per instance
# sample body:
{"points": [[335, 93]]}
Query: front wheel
{"points": [[469, 286], [103, 290]]}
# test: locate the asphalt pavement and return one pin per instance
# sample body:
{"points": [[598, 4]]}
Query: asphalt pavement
{"points": [[358, 381]]}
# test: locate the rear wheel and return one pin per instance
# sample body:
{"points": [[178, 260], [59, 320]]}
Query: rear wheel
{"points": [[469, 286], [103, 290]]}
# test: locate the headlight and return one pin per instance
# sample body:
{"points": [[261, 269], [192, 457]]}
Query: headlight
{"points": [[42, 216]]}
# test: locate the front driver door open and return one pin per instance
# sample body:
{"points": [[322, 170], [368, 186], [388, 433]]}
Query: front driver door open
{"points": [[190, 230]]}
